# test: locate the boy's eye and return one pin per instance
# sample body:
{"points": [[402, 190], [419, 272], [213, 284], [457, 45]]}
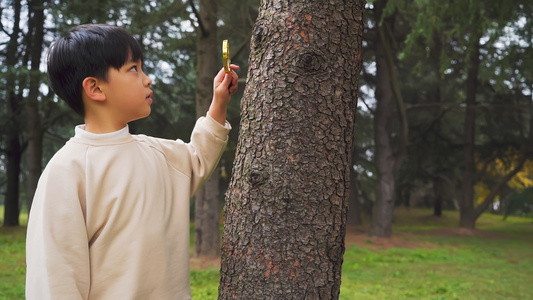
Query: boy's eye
{"points": [[134, 68]]}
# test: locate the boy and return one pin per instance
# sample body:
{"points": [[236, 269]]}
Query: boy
{"points": [[110, 217]]}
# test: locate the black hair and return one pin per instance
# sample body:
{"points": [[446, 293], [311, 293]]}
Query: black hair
{"points": [[88, 51]]}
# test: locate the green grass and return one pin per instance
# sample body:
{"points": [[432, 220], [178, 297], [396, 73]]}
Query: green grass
{"points": [[204, 284], [12, 259], [12, 263], [499, 266], [474, 270]]}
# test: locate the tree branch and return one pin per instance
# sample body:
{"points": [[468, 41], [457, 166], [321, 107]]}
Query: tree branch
{"points": [[478, 174], [367, 107], [200, 24], [490, 198]]}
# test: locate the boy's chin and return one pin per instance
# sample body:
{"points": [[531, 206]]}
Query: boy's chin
{"points": [[145, 115]]}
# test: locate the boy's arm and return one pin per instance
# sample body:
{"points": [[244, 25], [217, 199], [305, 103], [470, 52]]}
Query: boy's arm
{"points": [[224, 85], [209, 139], [57, 251]]}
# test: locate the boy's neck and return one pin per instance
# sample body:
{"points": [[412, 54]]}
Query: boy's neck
{"points": [[99, 127]]}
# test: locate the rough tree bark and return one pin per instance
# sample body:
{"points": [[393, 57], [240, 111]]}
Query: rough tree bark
{"points": [[207, 236], [34, 120], [285, 215]]}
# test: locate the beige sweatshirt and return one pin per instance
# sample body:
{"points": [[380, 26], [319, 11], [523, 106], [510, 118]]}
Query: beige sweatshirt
{"points": [[110, 217]]}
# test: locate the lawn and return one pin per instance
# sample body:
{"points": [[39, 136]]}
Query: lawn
{"points": [[427, 258], [12, 260]]}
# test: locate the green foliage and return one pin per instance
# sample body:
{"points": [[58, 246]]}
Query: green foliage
{"points": [[433, 43], [521, 203]]}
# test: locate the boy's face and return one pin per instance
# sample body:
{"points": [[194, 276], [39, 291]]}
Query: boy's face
{"points": [[128, 92]]}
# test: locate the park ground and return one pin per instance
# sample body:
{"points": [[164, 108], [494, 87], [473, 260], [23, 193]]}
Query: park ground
{"points": [[427, 257]]}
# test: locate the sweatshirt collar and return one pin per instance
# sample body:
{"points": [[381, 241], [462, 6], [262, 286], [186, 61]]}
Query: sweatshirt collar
{"points": [[80, 132]]}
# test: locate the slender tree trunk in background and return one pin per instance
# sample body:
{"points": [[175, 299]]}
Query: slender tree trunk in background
{"points": [[469, 213], [467, 217], [14, 158], [285, 216], [34, 121], [530, 109], [384, 154], [13, 145], [385, 157], [438, 183], [207, 216]]}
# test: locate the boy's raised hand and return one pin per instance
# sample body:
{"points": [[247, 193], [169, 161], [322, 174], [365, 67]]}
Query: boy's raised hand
{"points": [[224, 85]]}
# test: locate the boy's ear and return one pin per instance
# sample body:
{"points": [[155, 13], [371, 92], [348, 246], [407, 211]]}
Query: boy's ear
{"points": [[92, 89]]}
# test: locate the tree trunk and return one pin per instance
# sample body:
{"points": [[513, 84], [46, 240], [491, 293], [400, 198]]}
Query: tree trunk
{"points": [[383, 208], [14, 149], [207, 236], [34, 121], [387, 161], [286, 205], [467, 217], [14, 158], [438, 183]]}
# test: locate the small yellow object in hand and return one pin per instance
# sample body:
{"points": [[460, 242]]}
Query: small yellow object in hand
{"points": [[226, 57]]}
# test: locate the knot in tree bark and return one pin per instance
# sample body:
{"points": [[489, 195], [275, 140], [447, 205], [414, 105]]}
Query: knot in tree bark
{"points": [[257, 178], [310, 63]]}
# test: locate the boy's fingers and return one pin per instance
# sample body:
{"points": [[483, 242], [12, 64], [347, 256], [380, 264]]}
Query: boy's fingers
{"points": [[226, 81], [234, 78], [220, 75]]}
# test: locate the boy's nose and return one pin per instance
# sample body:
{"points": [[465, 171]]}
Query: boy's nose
{"points": [[147, 81]]}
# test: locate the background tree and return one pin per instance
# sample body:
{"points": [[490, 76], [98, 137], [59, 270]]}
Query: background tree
{"points": [[390, 152], [34, 119], [471, 32], [286, 205], [207, 237], [432, 63], [11, 125]]}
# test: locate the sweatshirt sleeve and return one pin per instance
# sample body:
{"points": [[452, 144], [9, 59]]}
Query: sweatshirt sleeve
{"points": [[196, 159], [57, 251], [208, 141]]}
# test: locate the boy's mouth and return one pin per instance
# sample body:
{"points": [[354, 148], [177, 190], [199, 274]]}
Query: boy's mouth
{"points": [[149, 97]]}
